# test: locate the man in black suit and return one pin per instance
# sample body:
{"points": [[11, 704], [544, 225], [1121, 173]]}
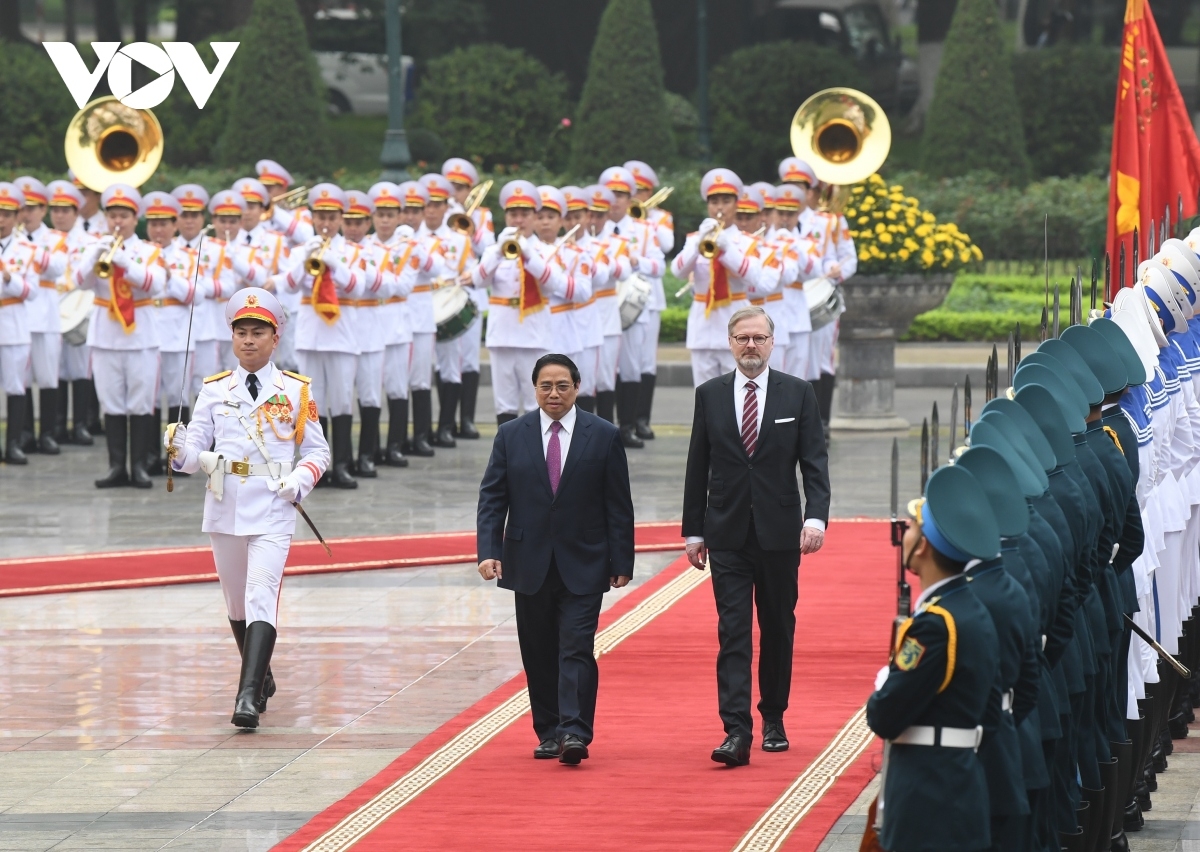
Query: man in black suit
{"points": [[559, 478], [742, 512]]}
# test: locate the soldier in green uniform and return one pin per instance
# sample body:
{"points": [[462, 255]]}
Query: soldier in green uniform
{"points": [[931, 701]]}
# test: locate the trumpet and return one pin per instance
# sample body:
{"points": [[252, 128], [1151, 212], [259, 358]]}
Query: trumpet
{"points": [[639, 209], [315, 264], [104, 266], [461, 222], [289, 200], [708, 245], [510, 249]]}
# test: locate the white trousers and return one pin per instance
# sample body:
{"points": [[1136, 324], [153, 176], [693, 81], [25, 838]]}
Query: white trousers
{"points": [[125, 380], [710, 363], [797, 359], [631, 360], [606, 363], [368, 379], [420, 365], [822, 344], [251, 571], [512, 378], [653, 325], [75, 363], [204, 364], [460, 355], [470, 344], [170, 371], [589, 359], [14, 364], [395, 370], [332, 375], [45, 356]]}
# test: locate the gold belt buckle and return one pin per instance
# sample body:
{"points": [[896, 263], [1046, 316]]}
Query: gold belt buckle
{"points": [[239, 468]]}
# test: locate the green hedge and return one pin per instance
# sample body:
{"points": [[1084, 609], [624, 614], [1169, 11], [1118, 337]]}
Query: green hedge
{"points": [[674, 325], [984, 307], [34, 109]]}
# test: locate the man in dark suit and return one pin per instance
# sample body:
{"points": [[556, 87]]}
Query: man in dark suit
{"points": [[742, 512], [555, 525]]}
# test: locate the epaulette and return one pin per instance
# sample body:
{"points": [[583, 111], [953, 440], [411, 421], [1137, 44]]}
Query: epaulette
{"points": [[296, 376], [218, 376]]}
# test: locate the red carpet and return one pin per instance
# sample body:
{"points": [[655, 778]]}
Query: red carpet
{"points": [[168, 566], [649, 783]]}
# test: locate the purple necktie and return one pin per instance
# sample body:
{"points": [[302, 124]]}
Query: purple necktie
{"points": [[554, 457]]}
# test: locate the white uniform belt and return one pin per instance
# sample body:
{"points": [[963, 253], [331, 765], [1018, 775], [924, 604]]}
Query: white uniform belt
{"points": [[241, 468], [928, 735]]}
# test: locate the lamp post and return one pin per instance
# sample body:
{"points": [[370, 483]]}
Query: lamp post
{"points": [[395, 155], [705, 134]]}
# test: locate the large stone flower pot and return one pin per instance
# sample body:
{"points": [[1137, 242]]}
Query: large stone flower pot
{"points": [[879, 308]]}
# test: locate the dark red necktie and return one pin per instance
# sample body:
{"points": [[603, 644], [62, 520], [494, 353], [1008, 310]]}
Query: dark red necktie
{"points": [[750, 419]]}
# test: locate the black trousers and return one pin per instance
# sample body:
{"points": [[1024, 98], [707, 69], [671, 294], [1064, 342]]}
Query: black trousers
{"points": [[557, 633], [743, 580]]}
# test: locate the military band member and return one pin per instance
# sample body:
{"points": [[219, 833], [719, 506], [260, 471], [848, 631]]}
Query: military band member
{"points": [[268, 452], [519, 330], [788, 201], [406, 255], [458, 257], [420, 315], [271, 247], [585, 315], [604, 315], [575, 264], [122, 336], [193, 204], [295, 226], [230, 262], [45, 329], [91, 213], [19, 262], [765, 291], [74, 373], [719, 283]]}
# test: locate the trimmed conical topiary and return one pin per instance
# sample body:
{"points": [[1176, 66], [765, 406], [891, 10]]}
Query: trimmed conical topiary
{"points": [[973, 122], [622, 115], [277, 101]]}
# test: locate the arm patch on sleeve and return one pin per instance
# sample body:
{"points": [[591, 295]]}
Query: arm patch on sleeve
{"points": [[909, 655]]}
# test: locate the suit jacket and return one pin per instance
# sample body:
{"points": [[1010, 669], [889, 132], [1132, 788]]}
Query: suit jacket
{"points": [[587, 527], [723, 486]]}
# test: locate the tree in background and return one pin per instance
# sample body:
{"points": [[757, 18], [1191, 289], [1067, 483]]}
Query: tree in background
{"points": [[197, 20], [276, 98], [973, 122], [493, 102], [751, 133], [622, 114], [36, 108]]}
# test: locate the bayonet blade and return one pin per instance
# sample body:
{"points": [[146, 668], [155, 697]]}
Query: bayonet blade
{"points": [[1137, 248], [895, 478], [924, 453], [1107, 280], [1017, 349], [966, 407], [1042, 328], [1008, 366], [1121, 261], [1071, 306], [953, 419], [934, 434], [1054, 328]]}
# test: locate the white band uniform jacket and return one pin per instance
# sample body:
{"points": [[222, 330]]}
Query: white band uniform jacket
{"points": [[505, 325], [742, 267], [20, 259], [146, 274], [174, 310], [250, 504], [43, 304], [405, 257], [313, 333], [568, 317]]}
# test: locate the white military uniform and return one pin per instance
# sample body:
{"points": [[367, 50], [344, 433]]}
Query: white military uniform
{"points": [[379, 285], [173, 313], [640, 246], [567, 331], [74, 363], [592, 317], [44, 325], [20, 259], [455, 357], [405, 257], [420, 310]]}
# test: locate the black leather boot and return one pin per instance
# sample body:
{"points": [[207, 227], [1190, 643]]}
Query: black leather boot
{"points": [[80, 436], [1110, 774], [466, 407], [116, 434], [448, 395], [268, 690], [501, 419], [62, 402], [28, 441], [627, 397], [142, 430], [422, 416], [1123, 753], [586, 403], [606, 403], [154, 459], [368, 441], [256, 659], [1092, 817], [343, 452], [397, 429], [13, 453], [48, 401], [645, 403], [95, 425]]}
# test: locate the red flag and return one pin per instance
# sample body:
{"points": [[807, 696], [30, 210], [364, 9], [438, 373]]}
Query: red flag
{"points": [[1155, 154]]}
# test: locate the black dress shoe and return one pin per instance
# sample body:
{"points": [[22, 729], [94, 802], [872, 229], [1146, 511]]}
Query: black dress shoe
{"points": [[547, 749], [572, 750], [774, 738], [735, 751]]}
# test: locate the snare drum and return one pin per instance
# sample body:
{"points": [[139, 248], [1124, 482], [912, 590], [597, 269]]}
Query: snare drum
{"points": [[825, 303], [74, 311], [453, 311], [633, 293]]}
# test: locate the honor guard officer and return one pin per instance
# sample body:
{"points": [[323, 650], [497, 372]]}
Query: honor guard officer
{"points": [[329, 275], [268, 451], [576, 266], [635, 247], [930, 703], [453, 357], [19, 263], [74, 370], [664, 231], [405, 258], [586, 316], [126, 278], [420, 314], [605, 322], [378, 284], [45, 328], [719, 261], [521, 282], [295, 225]]}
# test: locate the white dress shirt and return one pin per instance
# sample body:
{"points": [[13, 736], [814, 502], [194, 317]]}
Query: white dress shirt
{"points": [[564, 435]]}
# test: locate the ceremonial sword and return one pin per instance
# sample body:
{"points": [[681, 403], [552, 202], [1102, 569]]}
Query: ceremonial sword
{"points": [[1179, 667]]}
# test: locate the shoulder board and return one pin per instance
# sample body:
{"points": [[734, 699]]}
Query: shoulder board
{"points": [[1112, 433], [218, 376], [296, 376]]}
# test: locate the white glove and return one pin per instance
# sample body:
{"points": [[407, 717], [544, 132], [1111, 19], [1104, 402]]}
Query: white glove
{"points": [[405, 232], [646, 266], [282, 218], [175, 435], [524, 244], [881, 677], [706, 226], [289, 487], [311, 245], [725, 239], [122, 258], [507, 233], [241, 264], [105, 242]]}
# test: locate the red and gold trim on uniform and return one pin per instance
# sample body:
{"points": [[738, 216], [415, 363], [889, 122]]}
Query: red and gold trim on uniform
{"points": [[531, 300], [325, 298], [518, 198], [326, 201], [269, 178]]}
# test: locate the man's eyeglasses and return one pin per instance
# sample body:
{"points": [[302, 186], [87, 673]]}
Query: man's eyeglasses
{"points": [[759, 339], [561, 387]]}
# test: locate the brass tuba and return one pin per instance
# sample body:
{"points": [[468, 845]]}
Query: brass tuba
{"points": [[108, 142], [844, 135]]}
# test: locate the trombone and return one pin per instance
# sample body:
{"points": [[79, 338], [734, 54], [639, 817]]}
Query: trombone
{"points": [[462, 222], [289, 200], [708, 245], [104, 265], [639, 209]]}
